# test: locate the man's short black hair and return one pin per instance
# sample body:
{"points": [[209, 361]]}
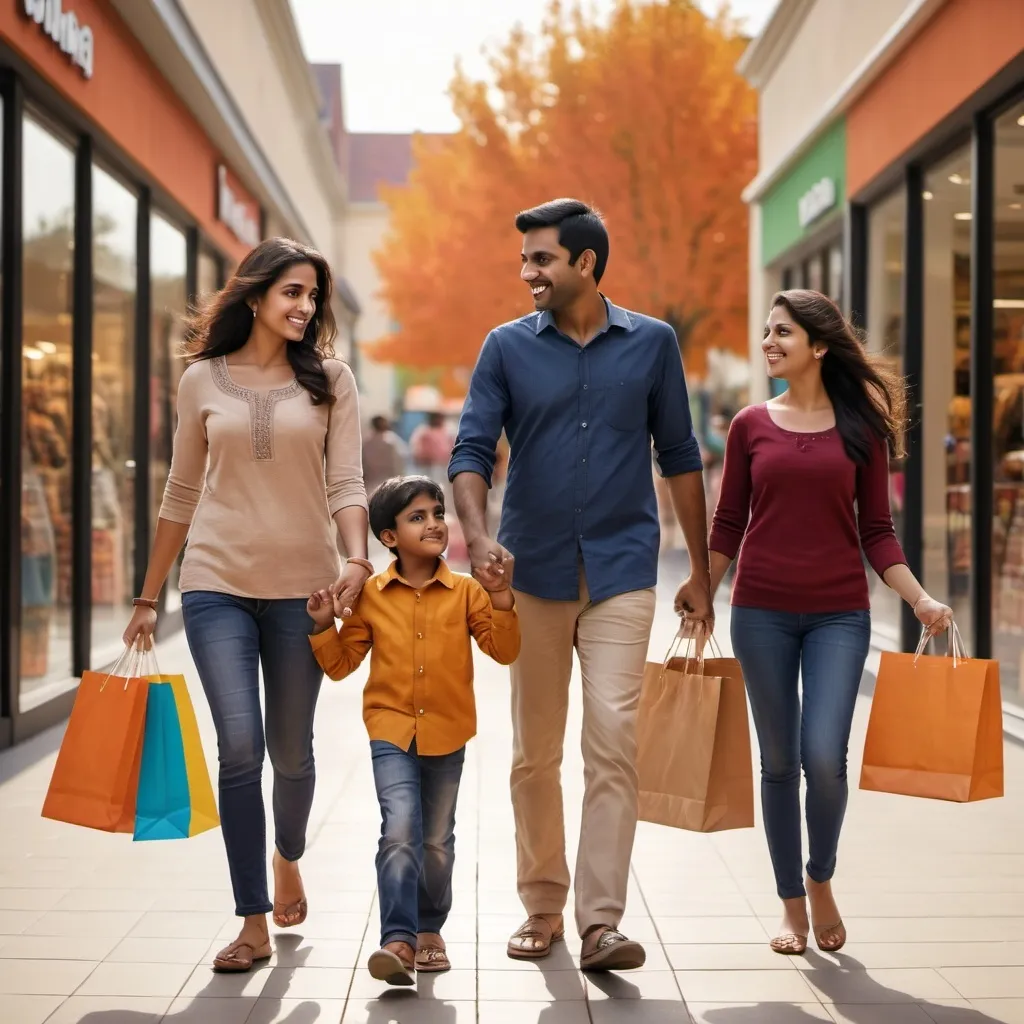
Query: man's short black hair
{"points": [[380, 423], [396, 494], [579, 228]]}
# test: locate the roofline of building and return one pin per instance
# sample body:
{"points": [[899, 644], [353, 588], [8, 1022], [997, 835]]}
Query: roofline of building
{"points": [[765, 51], [914, 17]]}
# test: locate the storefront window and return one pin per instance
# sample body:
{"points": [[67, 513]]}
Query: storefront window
{"points": [[114, 226], [1008, 338], [946, 418], [168, 257], [207, 274], [886, 232], [48, 222], [835, 274]]}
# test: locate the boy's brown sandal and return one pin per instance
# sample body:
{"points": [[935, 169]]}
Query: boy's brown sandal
{"points": [[240, 956], [612, 952], [393, 964]]}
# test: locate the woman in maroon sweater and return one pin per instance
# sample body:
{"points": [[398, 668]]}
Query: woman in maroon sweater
{"points": [[805, 490]]}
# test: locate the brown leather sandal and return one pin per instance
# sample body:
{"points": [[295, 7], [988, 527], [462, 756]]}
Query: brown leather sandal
{"points": [[837, 943], [535, 929], [432, 960], [283, 911], [394, 964], [612, 952], [240, 956], [789, 944]]}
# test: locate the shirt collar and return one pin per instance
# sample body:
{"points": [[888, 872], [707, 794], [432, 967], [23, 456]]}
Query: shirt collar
{"points": [[443, 576], [617, 317]]}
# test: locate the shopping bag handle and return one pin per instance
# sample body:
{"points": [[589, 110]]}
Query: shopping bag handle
{"points": [[955, 646], [679, 640], [126, 660]]}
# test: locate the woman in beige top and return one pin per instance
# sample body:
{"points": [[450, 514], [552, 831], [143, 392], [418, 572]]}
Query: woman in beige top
{"points": [[266, 467]]}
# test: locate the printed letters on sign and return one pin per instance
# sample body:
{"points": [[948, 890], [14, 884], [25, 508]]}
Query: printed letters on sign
{"points": [[818, 199], [233, 212], [63, 28]]}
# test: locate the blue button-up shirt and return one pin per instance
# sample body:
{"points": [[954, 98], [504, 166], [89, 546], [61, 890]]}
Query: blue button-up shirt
{"points": [[580, 420]]}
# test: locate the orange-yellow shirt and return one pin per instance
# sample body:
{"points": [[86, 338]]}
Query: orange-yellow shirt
{"points": [[421, 668]]}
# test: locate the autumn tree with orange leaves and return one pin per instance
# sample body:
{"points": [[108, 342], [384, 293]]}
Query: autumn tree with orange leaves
{"points": [[644, 117]]}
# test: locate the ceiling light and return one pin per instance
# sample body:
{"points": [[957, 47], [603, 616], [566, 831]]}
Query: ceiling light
{"points": [[33, 353], [46, 346], [956, 179], [1020, 120], [962, 216], [1008, 304], [1017, 206], [927, 195]]}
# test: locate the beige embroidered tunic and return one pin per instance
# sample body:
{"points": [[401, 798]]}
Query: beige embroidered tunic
{"points": [[259, 474]]}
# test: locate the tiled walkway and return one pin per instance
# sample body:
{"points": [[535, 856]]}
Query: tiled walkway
{"points": [[94, 929]]}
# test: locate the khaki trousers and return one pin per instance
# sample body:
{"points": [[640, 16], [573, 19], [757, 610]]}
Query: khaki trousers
{"points": [[611, 639]]}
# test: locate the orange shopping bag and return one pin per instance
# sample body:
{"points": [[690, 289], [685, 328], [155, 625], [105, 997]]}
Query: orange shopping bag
{"points": [[936, 726], [96, 776], [693, 744]]}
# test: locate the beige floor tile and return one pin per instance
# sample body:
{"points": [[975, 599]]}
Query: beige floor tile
{"points": [[43, 977], [29, 1009], [159, 951], [539, 986], [17, 922], [730, 930], [85, 922], [456, 986], [180, 925], [833, 984], [644, 984], [492, 956], [744, 986], [536, 1013], [307, 983], [406, 1008], [728, 957], [878, 1013], [1005, 1011], [133, 979], [330, 925], [193, 901], [136, 900], [206, 984], [111, 1010], [220, 1011], [30, 899], [920, 954], [985, 982], [57, 947], [293, 951], [758, 1013], [936, 929], [957, 1011], [288, 1011], [690, 904]]}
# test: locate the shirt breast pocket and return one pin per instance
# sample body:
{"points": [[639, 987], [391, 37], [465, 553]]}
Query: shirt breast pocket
{"points": [[625, 404]]}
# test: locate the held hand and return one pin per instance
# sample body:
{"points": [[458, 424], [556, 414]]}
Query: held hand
{"points": [[933, 615], [488, 555], [139, 633], [347, 587], [495, 577], [320, 608], [693, 603]]}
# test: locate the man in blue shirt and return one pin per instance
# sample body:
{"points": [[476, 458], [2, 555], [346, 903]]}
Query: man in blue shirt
{"points": [[580, 387]]}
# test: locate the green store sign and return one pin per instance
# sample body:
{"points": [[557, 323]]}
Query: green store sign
{"points": [[811, 193]]}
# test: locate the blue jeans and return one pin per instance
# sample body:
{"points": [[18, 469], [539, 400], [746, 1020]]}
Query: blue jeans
{"points": [[230, 637], [828, 650], [416, 854]]}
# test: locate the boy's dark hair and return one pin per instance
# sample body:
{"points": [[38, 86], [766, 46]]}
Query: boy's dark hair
{"points": [[394, 495], [579, 228]]}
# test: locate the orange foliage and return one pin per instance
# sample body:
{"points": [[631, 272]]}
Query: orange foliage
{"points": [[646, 118]]}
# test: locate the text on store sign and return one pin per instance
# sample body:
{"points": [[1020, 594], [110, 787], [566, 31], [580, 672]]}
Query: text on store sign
{"points": [[819, 198], [234, 212], [63, 28]]}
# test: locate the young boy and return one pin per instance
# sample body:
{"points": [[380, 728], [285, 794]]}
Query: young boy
{"points": [[418, 707]]}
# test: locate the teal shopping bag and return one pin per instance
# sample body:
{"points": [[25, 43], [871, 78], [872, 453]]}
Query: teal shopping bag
{"points": [[163, 808]]}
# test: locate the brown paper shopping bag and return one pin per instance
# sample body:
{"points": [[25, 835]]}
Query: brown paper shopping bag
{"points": [[693, 742], [936, 727], [96, 776]]}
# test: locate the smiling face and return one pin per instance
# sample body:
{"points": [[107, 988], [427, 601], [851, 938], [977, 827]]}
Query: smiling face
{"points": [[552, 281], [420, 529], [288, 305], [788, 351]]}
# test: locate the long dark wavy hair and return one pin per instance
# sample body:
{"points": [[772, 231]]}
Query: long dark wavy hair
{"points": [[221, 325], [868, 396]]}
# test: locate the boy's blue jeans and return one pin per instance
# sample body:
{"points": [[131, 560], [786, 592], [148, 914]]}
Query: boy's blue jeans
{"points": [[416, 854]]}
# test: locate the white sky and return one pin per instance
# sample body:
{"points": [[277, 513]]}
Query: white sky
{"points": [[398, 55]]}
